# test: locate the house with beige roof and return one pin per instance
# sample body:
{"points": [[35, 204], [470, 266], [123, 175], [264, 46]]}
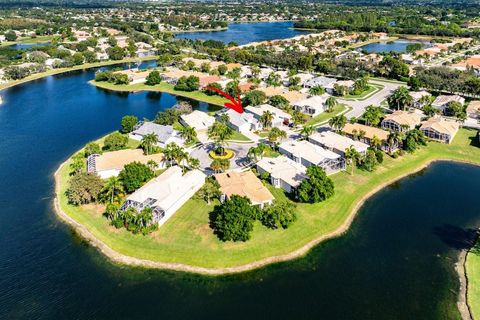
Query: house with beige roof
{"points": [[271, 91], [473, 109], [284, 172], [440, 129], [200, 121], [244, 184], [308, 154], [401, 121], [135, 76], [280, 117], [337, 143], [166, 193], [109, 164], [365, 134], [442, 101]]}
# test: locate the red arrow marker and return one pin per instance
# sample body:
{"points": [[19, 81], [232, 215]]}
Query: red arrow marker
{"points": [[234, 104]]}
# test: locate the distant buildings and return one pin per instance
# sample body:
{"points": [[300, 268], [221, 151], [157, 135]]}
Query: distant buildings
{"points": [[166, 193]]}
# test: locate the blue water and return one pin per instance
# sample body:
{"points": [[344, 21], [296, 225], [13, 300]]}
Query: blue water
{"points": [[243, 33], [19, 46], [395, 46]]}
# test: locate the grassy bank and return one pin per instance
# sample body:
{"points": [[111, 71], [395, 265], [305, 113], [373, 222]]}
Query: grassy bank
{"points": [[325, 116], [187, 238], [473, 275], [74, 68], [162, 87]]}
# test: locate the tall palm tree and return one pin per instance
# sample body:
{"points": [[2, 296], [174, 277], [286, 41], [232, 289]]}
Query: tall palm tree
{"points": [[400, 99], [113, 186], [338, 122], [373, 115], [148, 142], [152, 164], [352, 156], [219, 132], [394, 139], [307, 131], [170, 152], [316, 90], [375, 142], [193, 163], [266, 119], [331, 103], [188, 133], [275, 135]]}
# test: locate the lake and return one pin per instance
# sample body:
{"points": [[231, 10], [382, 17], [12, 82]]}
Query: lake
{"points": [[396, 46], [396, 262], [243, 33], [20, 46]]}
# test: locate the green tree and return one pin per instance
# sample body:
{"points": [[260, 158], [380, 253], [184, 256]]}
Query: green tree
{"points": [[279, 214], [254, 98], [233, 220], [307, 131], [369, 162], [113, 187], [316, 187], [189, 134], [298, 118], [128, 123], [352, 157], [338, 122], [400, 99], [222, 69], [92, 148], [148, 143], [84, 187], [220, 132], [153, 78], [10, 36], [167, 117], [78, 164], [275, 135], [373, 115], [211, 92], [279, 102], [316, 90], [209, 191], [266, 119], [134, 175], [274, 80], [331, 103], [116, 53], [115, 141]]}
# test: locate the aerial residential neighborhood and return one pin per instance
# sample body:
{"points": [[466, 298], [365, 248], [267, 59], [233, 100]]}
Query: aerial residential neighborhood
{"points": [[240, 160]]}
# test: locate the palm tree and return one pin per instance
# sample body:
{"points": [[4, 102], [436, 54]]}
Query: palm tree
{"points": [[266, 119], [113, 186], [400, 99], [393, 140], [307, 131], [375, 142], [276, 134], [352, 156], [188, 133], [193, 163], [316, 90], [338, 122], [331, 103], [170, 152], [297, 118], [219, 132], [152, 165], [274, 79], [373, 115], [224, 118], [148, 142], [219, 165], [180, 156]]}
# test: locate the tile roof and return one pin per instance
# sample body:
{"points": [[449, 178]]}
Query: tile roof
{"points": [[244, 184]]}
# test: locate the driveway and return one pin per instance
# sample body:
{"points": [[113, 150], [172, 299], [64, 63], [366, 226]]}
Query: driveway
{"points": [[376, 99]]}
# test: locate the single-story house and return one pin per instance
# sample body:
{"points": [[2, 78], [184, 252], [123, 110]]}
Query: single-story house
{"points": [[365, 134], [284, 172], [401, 121], [242, 122], [109, 164], [171, 76], [205, 80], [473, 109], [200, 121], [134, 75], [349, 84], [439, 129], [166, 193], [418, 97], [271, 91], [142, 52], [307, 154], [244, 184], [312, 106], [325, 82], [165, 134], [336, 142], [441, 102], [294, 96], [280, 117]]}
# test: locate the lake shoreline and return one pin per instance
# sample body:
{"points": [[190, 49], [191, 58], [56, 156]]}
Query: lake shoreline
{"points": [[122, 259]]}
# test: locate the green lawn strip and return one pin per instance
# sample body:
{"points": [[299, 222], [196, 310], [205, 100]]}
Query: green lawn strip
{"points": [[325, 116], [162, 87], [237, 136], [74, 68], [372, 89], [473, 275], [187, 238], [388, 80]]}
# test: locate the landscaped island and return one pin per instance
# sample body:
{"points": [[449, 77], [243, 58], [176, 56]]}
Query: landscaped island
{"points": [[186, 242]]}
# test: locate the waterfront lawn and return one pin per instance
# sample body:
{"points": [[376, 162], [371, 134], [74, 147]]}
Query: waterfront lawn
{"points": [[187, 238], [325, 116], [162, 87], [473, 275]]}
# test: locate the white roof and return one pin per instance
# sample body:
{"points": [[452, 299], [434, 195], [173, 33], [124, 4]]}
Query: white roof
{"points": [[313, 102], [417, 95], [169, 187], [443, 100], [333, 140], [325, 82], [259, 110], [239, 119], [198, 120], [283, 168], [308, 151]]}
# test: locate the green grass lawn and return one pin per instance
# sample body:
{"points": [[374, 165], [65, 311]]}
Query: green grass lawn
{"points": [[325, 116], [237, 136], [473, 274], [162, 87], [372, 89], [187, 238]]}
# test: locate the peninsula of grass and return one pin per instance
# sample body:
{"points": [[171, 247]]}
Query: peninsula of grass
{"points": [[84, 66], [162, 87], [473, 275], [186, 241]]}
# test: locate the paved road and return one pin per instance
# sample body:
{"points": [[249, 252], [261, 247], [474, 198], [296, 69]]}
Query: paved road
{"points": [[376, 99]]}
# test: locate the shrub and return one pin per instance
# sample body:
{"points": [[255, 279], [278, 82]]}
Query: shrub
{"points": [[115, 141]]}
